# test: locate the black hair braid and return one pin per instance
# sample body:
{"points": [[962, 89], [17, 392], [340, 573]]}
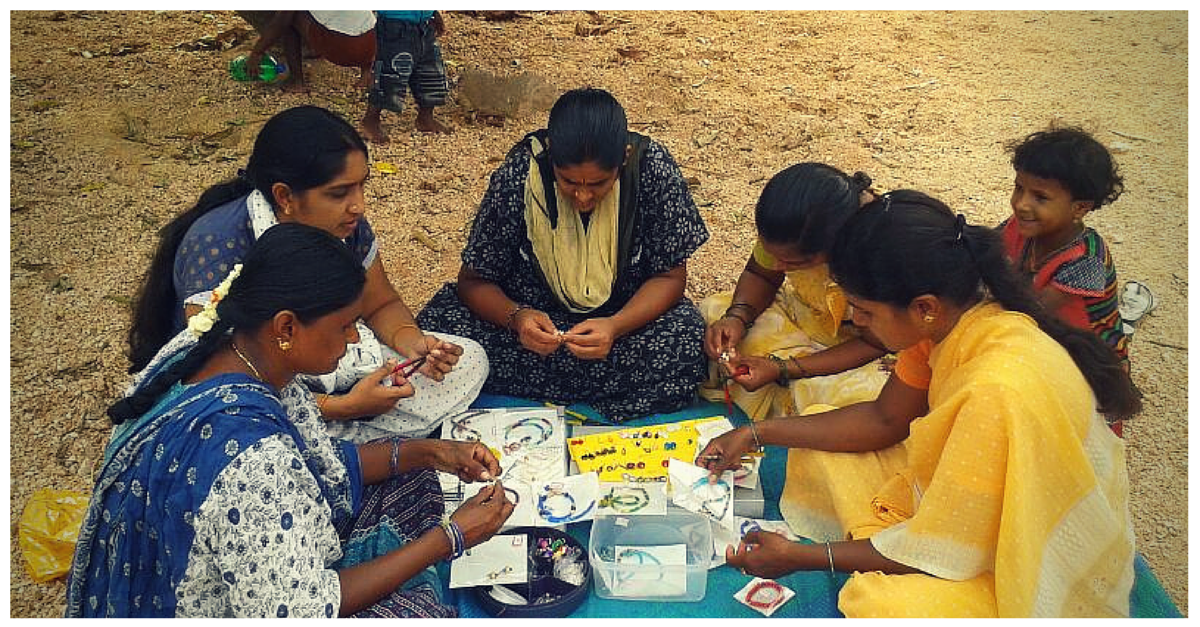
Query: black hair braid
{"points": [[1114, 390], [148, 394], [153, 320]]}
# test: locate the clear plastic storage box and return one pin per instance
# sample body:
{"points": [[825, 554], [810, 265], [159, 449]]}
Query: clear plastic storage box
{"points": [[651, 558]]}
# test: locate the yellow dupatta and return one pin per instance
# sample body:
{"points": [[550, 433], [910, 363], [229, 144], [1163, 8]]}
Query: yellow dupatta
{"points": [[579, 264]]}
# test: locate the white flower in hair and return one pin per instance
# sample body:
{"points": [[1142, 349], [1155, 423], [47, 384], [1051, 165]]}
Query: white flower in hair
{"points": [[202, 322]]}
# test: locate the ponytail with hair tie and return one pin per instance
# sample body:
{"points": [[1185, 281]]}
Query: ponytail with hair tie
{"points": [[804, 206], [960, 237], [860, 182]]}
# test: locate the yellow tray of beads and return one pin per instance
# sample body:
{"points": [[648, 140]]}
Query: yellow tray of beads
{"points": [[636, 453]]}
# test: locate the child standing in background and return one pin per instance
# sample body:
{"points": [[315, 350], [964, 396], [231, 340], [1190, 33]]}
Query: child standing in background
{"points": [[407, 57]]}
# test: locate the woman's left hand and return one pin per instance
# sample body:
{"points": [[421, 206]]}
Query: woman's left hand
{"points": [[440, 358], [763, 554], [591, 339], [469, 461], [752, 372]]}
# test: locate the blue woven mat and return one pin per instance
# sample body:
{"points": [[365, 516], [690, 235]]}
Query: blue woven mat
{"points": [[816, 591]]}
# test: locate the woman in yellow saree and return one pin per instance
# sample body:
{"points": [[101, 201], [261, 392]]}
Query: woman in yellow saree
{"points": [[983, 480], [786, 314]]}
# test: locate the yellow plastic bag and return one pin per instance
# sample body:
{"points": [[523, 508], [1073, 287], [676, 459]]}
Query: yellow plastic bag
{"points": [[48, 530]]}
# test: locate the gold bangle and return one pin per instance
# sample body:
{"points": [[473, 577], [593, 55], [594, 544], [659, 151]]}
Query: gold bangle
{"points": [[407, 325], [321, 404]]}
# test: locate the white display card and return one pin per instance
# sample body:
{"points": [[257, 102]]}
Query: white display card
{"points": [[648, 498], [691, 490], [768, 595], [567, 500], [502, 559], [661, 571]]}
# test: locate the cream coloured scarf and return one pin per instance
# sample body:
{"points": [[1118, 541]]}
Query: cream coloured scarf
{"points": [[579, 264]]}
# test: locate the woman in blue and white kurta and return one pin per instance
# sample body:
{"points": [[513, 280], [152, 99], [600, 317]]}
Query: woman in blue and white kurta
{"points": [[221, 502]]}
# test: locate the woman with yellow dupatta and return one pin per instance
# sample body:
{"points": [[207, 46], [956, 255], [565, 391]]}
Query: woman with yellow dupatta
{"points": [[983, 480], [786, 316], [573, 276]]}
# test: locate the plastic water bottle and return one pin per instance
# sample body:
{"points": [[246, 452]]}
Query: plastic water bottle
{"points": [[268, 69]]}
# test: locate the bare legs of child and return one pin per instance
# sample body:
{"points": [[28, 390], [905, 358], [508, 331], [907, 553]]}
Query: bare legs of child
{"points": [[372, 124], [426, 124]]}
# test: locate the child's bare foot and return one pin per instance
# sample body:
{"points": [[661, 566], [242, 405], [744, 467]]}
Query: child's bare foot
{"points": [[373, 131], [426, 124]]}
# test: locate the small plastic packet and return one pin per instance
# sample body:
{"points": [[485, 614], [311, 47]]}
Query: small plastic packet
{"points": [[48, 530], [764, 595]]}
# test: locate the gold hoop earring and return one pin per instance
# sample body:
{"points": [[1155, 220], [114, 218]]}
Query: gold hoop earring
{"points": [[284, 345]]}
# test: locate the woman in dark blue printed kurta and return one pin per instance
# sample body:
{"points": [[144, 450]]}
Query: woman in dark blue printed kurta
{"points": [[573, 276]]}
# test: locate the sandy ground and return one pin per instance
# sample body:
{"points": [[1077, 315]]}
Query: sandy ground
{"points": [[118, 122]]}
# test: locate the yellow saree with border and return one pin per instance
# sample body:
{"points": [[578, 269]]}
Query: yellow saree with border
{"points": [[1011, 492]]}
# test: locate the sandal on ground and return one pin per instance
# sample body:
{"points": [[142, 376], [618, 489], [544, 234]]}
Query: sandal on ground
{"points": [[1136, 301]]}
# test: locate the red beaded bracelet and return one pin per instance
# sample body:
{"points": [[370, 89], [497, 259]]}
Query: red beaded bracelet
{"points": [[773, 590]]}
